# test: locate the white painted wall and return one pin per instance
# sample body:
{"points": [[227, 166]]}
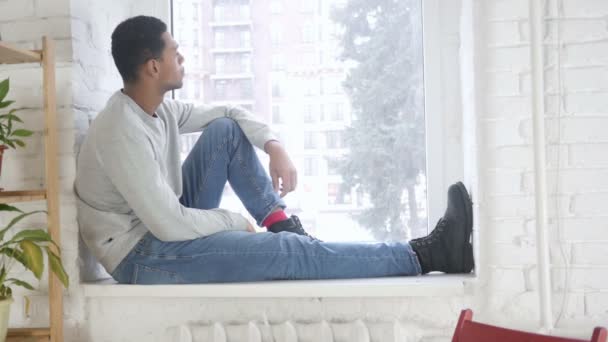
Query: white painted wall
{"points": [[495, 78]]}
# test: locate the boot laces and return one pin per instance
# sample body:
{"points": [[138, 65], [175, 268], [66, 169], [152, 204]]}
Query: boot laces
{"points": [[434, 235], [299, 228]]}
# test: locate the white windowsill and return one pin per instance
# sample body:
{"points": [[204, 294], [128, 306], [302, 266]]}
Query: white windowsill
{"points": [[436, 285]]}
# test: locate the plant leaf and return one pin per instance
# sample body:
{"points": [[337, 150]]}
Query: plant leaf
{"points": [[35, 235], [19, 142], [6, 104], [11, 116], [4, 86], [57, 267], [6, 207], [14, 253], [22, 133], [33, 255], [20, 283], [17, 219]]}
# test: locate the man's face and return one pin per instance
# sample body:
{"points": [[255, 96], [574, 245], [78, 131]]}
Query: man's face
{"points": [[171, 70]]}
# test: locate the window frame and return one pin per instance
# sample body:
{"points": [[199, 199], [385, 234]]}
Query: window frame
{"points": [[435, 98]]}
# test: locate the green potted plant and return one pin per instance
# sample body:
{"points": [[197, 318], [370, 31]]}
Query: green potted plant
{"points": [[10, 136], [27, 248]]}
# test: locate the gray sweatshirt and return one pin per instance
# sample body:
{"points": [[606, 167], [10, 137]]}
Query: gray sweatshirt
{"points": [[129, 179]]}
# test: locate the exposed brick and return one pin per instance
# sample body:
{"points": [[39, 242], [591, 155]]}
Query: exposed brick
{"points": [[588, 155]]}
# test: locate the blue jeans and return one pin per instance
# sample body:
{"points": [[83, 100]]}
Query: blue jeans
{"points": [[221, 154]]}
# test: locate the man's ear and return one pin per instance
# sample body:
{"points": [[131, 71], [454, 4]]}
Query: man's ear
{"points": [[151, 67]]}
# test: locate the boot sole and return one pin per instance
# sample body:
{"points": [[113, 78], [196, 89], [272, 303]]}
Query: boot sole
{"points": [[468, 262]]}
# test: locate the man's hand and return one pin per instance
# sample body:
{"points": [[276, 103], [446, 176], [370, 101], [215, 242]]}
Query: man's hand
{"points": [[251, 228], [282, 171]]}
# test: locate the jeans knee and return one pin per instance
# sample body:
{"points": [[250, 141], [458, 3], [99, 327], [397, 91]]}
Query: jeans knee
{"points": [[224, 125]]}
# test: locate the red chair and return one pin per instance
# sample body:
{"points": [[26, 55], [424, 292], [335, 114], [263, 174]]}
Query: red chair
{"points": [[469, 331]]}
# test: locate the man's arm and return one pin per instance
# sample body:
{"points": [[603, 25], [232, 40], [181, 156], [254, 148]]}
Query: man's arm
{"points": [[129, 163], [192, 118]]}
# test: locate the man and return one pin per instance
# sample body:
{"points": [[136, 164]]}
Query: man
{"points": [[150, 221]]}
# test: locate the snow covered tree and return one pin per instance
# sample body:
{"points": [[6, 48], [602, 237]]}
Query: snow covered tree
{"points": [[382, 41]]}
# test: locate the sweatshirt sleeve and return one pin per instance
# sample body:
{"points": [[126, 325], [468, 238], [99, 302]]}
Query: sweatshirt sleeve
{"points": [[192, 118], [129, 162]]}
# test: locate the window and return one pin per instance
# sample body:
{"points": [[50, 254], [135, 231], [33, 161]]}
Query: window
{"points": [[277, 88], [245, 39], [276, 7], [310, 140], [220, 39], [276, 35], [333, 139], [276, 115], [307, 6], [220, 90], [309, 114], [197, 89], [195, 11], [278, 61], [220, 64], [310, 166], [195, 38], [308, 33], [333, 166], [332, 133], [336, 194], [246, 62], [219, 12], [246, 89], [244, 12]]}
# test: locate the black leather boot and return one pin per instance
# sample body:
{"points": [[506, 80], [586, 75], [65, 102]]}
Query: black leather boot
{"points": [[448, 248], [292, 225]]}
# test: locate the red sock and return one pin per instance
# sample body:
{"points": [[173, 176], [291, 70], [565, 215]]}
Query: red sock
{"points": [[275, 217]]}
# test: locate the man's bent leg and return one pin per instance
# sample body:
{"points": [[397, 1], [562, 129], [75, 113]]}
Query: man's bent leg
{"points": [[236, 256], [223, 153]]}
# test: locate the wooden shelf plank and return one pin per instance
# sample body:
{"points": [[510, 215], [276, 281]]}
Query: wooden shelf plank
{"points": [[28, 334], [13, 55], [22, 196]]}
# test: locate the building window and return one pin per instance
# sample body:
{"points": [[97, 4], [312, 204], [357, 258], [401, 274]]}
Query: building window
{"points": [[333, 166], [311, 167], [195, 37], [309, 114], [220, 90], [244, 12], [276, 7], [337, 195], [278, 61], [310, 140], [246, 63], [220, 64], [276, 115], [245, 39], [307, 6], [197, 89], [195, 11], [246, 89], [220, 39], [277, 88], [337, 112], [276, 35], [308, 33], [219, 12], [333, 139]]}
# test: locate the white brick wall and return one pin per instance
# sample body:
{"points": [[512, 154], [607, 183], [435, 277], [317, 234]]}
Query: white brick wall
{"points": [[506, 292]]}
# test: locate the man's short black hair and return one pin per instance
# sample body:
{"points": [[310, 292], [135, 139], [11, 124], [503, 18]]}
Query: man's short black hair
{"points": [[134, 42]]}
